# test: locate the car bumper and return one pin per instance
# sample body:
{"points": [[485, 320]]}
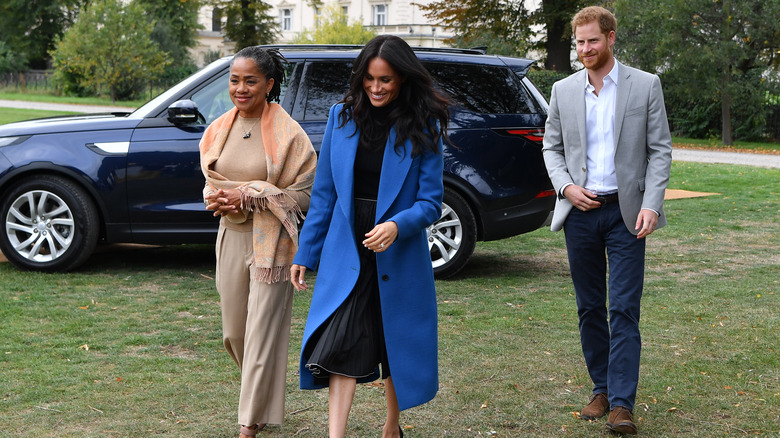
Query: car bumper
{"points": [[508, 222]]}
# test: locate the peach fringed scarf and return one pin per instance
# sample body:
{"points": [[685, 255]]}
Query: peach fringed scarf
{"points": [[291, 162]]}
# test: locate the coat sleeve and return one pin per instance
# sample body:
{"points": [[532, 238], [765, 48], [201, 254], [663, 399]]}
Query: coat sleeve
{"points": [[659, 149], [552, 150], [323, 201], [430, 191]]}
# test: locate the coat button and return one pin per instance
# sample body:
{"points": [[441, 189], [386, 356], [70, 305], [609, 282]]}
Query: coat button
{"points": [[385, 277], [584, 170]]}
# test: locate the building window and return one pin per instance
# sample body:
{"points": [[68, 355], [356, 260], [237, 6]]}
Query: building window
{"points": [[216, 20], [379, 12], [345, 10], [286, 19]]}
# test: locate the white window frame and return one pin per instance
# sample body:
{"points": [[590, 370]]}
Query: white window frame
{"points": [[379, 17], [286, 19]]}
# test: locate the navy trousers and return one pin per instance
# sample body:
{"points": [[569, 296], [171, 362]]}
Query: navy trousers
{"points": [[611, 343]]}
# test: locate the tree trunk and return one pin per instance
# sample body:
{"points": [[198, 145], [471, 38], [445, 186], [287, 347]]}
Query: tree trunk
{"points": [[725, 78], [725, 110], [558, 45]]}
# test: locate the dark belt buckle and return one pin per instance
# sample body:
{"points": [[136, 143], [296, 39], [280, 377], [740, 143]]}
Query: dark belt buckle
{"points": [[600, 199]]}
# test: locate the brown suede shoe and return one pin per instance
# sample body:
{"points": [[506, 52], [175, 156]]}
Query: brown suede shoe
{"points": [[597, 407], [621, 421]]}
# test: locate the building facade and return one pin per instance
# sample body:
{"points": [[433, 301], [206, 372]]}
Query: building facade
{"points": [[397, 17]]}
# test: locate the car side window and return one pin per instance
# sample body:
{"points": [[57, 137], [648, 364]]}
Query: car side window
{"points": [[483, 89], [325, 84], [213, 100]]}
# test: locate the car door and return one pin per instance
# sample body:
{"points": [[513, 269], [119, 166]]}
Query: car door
{"points": [[165, 183], [322, 84]]}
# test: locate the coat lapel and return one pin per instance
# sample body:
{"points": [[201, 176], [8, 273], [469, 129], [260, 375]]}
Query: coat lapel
{"points": [[342, 158], [578, 94], [621, 101], [394, 170]]}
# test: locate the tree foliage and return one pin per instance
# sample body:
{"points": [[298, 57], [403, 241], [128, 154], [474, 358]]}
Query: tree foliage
{"points": [[500, 25], [508, 27], [718, 59], [249, 22], [30, 27], [108, 49], [333, 27], [175, 31], [10, 62]]}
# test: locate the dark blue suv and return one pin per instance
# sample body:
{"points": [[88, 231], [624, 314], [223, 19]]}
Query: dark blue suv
{"points": [[67, 183]]}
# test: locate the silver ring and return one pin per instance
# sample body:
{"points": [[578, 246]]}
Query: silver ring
{"points": [[381, 245]]}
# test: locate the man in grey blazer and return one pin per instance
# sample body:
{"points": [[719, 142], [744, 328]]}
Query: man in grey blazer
{"points": [[607, 149]]}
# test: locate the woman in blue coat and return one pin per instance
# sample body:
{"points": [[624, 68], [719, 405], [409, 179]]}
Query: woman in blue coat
{"points": [[378, 186]]}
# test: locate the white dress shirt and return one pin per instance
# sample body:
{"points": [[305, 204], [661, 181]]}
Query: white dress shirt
{"points": [[600, 125]]}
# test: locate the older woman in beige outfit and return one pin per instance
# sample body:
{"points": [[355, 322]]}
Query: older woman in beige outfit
{"points": [[259, 167]]}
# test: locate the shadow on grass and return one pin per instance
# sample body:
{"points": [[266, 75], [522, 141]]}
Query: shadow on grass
{"points": [[494, 265], [125, 257]]}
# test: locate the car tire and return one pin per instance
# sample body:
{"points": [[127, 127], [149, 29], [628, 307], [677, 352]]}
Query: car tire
{"points": [[452, 238], [48, 224]]}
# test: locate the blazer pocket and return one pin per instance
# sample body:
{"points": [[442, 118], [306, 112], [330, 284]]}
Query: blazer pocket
{"points": [[641, 182], [633, 112]]}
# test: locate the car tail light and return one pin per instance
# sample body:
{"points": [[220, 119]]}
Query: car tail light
{"points": [[545, 193], [532, 134]]}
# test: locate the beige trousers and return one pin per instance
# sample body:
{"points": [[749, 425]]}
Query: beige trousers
{"points": [[255, 329]]}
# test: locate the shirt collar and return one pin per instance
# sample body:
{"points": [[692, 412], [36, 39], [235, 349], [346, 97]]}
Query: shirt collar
{"points": [[612, 75]]}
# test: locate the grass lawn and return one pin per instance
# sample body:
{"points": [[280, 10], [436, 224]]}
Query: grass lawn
{"points": [[32, 96], [715, 144], [9, 115], [130, 345]]}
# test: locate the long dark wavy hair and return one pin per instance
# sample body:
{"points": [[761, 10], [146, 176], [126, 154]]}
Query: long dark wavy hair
{"points": [[270, 63], [421, 113]]}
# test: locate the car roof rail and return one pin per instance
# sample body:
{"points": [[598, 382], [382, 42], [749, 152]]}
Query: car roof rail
{"points": [[473, 51], [313, 46]]}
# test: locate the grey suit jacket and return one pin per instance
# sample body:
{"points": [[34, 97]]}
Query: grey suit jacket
{"points": [[643, 145]]}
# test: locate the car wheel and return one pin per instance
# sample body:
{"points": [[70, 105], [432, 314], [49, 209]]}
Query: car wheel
{"points": [[49, 224], [452, 238]]}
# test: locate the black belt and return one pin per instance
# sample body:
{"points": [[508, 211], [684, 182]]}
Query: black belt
{"points": [[606, 199]]}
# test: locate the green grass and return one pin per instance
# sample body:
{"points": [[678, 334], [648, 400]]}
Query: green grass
{"points": [[130, 345], [716, 144], [9, 115], [31, 96]]}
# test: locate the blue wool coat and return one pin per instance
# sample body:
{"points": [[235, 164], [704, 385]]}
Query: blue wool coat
{"points": [[410, 194]]}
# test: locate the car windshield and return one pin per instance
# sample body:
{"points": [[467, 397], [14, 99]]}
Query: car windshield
{"points": [[146, 109]]}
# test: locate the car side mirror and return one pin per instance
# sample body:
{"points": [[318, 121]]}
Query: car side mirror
{"points": [[184, 112]]}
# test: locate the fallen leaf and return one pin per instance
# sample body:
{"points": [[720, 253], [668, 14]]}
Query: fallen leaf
{"points": [[84, 347], [672, 409], [84, 307], [484, 405]]}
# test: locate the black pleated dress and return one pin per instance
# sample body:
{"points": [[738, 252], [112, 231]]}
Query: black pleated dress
{"points": [[351, 342]]}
